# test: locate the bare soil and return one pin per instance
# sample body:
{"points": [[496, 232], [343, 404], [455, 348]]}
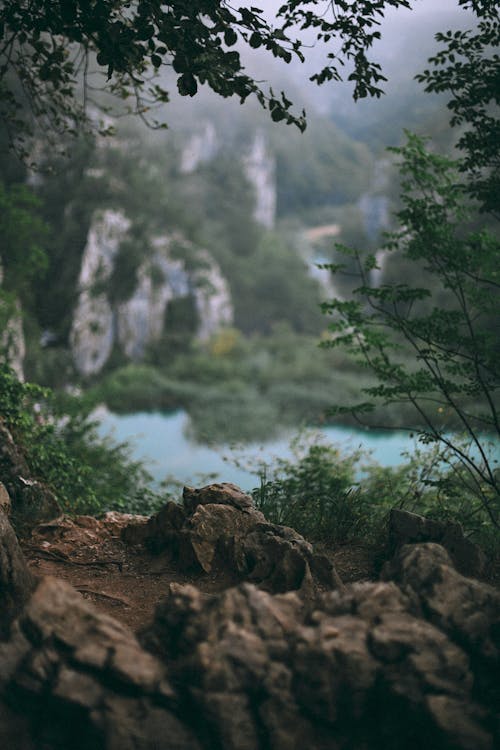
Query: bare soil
{"points": [[128, 582]]}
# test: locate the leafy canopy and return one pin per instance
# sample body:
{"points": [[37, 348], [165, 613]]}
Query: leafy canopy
{"points": [[48, 51], [432, 340]]}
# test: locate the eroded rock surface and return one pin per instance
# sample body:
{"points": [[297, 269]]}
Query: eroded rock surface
{"points": [[80, 679], [357, 668], [16, 581], [219, 526], [411, 661], [410, 528]]}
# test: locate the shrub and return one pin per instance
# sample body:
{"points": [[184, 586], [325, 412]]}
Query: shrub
{"points": [[318, 494], [87, 473]]}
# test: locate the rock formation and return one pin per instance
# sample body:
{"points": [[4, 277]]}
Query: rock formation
{"points": [[92, 333], [260, 170], [133, 324], [16, 582], [409, 528], [218, 528], [258, 163], [12, 343], [409, 661], [200, 148]]}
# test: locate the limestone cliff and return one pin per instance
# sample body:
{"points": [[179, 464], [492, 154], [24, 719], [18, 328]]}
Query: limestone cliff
{"points": [[258, 164], [12, 343], [260, 170], [163, 276]]}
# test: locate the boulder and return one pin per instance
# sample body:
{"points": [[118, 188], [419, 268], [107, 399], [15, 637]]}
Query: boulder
{"points": [[224, 493], [218, 527], [355, 668], [410, 528], [5, 502], [16, 581], [71, 677]]}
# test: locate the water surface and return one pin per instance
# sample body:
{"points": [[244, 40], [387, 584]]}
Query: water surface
{"points": [[162, 441]]}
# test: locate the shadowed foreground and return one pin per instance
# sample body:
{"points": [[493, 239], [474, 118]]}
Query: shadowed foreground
{"points": [[285, 657]]}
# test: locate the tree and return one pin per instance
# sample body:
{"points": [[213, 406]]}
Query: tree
{"points": [[48, 51], [434, 344], [468, 68]]}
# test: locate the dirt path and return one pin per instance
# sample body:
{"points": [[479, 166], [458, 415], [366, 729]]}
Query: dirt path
{"points": [[128, 582]]}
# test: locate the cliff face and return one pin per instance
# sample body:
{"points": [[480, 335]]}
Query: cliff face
{"points": [[92, 333], [258, 164], [260, 171], [12, 344], [100, 324]]}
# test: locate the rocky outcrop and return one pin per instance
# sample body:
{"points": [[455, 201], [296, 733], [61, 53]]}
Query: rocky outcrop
{"points": [[358, 668], [258, 164], [260, 170], [410, 528], [93, 329], [218, 528], [163, 276], [71, 677], [16, 582], [409, 661], [29, 499], [12, 343], [200, 148]]}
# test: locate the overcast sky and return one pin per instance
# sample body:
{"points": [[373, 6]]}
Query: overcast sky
{"points": [[420, 6]]}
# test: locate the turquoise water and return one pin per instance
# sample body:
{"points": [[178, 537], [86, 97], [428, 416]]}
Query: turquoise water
{"points": [[163, 442]]}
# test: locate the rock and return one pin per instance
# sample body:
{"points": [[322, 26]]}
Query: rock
{"points": [[81, 680], [5, 503], [358, 668], [410, 661], [100, 322], [218, 526], [410, 528], [93, 328], [469, 611], [259, 166], [12, 341], [224, 493], [31, 500], [16, 581], [216, 530], [276, 556]]}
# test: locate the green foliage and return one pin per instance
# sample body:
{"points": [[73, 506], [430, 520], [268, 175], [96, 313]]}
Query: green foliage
{"points": [[140, 388], [317, 494], [336, 497], [332, 169], [266, 294], [23, 240], [49, 49], [235, 388], [448, 324], [468, 67], [63, 450]]}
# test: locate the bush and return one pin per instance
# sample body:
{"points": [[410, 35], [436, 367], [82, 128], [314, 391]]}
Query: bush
{"points": [[336, 498], [63, 450], [318, 494], [141, 388]]}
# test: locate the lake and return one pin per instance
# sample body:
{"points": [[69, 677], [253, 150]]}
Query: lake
{"points": [[162, 441]]}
